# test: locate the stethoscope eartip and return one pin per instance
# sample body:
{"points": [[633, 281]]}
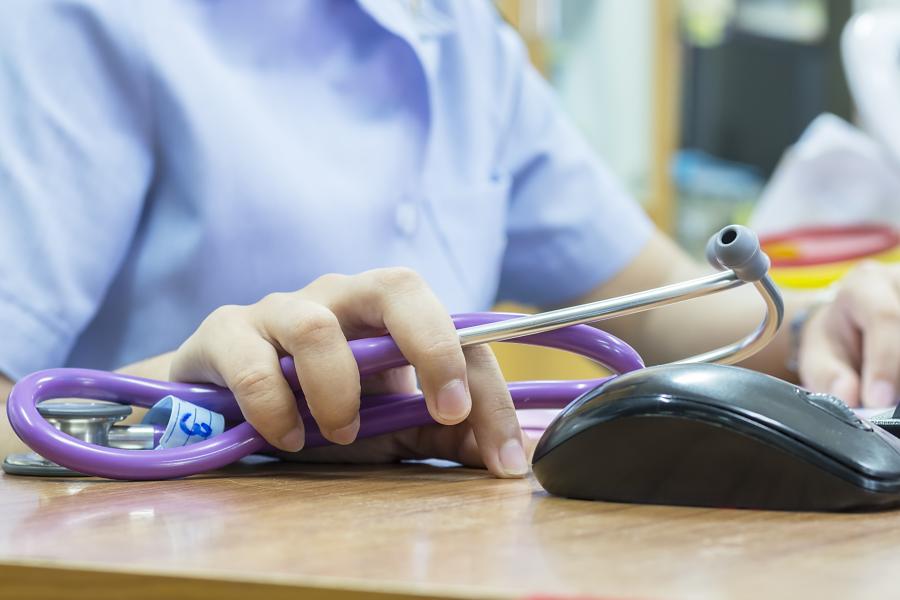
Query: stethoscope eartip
{"points": [[737, 248]]}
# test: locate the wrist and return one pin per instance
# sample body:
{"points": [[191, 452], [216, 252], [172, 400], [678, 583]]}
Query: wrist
{"points": [[156, 367]]}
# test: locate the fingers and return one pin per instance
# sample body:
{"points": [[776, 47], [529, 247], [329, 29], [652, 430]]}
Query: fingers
{"points": [[426, 336], [399, 301], [493, 416], [491, 437], [828, 358], [228, 350], [879, 318], [263, 394], [851, 347], [327, 371], [880, 368], [239, 347]]}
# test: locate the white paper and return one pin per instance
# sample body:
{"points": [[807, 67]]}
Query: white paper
{"points": [[185, 423], [834, 175]]}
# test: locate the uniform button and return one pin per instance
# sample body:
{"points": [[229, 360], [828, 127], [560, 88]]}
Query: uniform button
{"points": [[406, 217]]}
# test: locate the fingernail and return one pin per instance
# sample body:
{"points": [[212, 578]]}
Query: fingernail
{"points": [[512, 458], [346, 434], [292, 441], [453, 401], [881, 394]]}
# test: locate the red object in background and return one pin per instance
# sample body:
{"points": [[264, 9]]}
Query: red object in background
{"points": [[808, 246]]}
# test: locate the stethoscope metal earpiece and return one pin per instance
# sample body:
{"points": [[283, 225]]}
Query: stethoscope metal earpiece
{"points": [[91, 421]]}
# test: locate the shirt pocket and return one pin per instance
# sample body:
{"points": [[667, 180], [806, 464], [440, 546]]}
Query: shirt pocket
{"points": [[472, 219]]}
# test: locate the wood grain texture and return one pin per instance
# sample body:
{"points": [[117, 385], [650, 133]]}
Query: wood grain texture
{"points": [[274, 531]]}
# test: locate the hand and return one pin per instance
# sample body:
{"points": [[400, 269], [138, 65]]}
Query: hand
{"points": [[239, 347], [851, 346]]}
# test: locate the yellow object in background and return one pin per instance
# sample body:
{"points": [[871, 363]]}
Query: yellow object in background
{"points": [[819, 276]]}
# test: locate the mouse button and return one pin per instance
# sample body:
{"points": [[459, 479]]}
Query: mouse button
{"points": [[863, 451], [885, 461], [891, 441], [828, 435], [859, 450]]}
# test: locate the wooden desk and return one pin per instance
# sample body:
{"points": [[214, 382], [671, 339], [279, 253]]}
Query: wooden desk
{"points": [[299, 531]]}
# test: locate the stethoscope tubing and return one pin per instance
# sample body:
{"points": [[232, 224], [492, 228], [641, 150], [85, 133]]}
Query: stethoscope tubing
{"points": [[378, 414]]}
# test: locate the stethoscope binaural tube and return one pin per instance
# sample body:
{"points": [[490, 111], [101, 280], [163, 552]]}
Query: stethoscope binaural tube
{"points": [[734, 250]]}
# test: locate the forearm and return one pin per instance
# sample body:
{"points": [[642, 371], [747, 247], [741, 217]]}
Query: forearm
{"points": [[156, 367], [9, 443]]}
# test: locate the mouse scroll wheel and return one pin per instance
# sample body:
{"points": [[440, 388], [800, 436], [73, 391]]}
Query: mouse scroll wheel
{"points": [[836, 407]]}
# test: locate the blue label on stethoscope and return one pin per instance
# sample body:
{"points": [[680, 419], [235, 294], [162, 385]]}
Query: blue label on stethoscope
{"points": [[185, 423]]}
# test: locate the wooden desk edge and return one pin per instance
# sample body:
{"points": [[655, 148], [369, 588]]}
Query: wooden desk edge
{"points": [[33, 580]]}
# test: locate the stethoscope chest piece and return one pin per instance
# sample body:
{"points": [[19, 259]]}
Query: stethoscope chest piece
{"points": [[35, 465], [92, 421]]}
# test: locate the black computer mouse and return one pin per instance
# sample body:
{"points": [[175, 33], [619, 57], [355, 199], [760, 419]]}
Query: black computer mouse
{"points": [[711, 435]]}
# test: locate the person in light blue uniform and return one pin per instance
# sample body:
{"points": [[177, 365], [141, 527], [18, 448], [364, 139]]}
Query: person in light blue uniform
{"points": [[166, 165]]}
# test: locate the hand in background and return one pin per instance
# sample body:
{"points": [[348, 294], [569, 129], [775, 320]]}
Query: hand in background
{"points": [[850, 347]]}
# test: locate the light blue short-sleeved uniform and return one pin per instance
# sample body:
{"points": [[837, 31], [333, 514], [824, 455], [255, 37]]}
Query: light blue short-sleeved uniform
{"points": [[160, 158]]}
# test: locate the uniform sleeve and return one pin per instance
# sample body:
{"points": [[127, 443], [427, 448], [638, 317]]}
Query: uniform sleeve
{"points": [[571, 225], [75, 162]]}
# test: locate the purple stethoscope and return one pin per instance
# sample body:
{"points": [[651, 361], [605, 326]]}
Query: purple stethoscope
{"points": [[81, 438]]}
